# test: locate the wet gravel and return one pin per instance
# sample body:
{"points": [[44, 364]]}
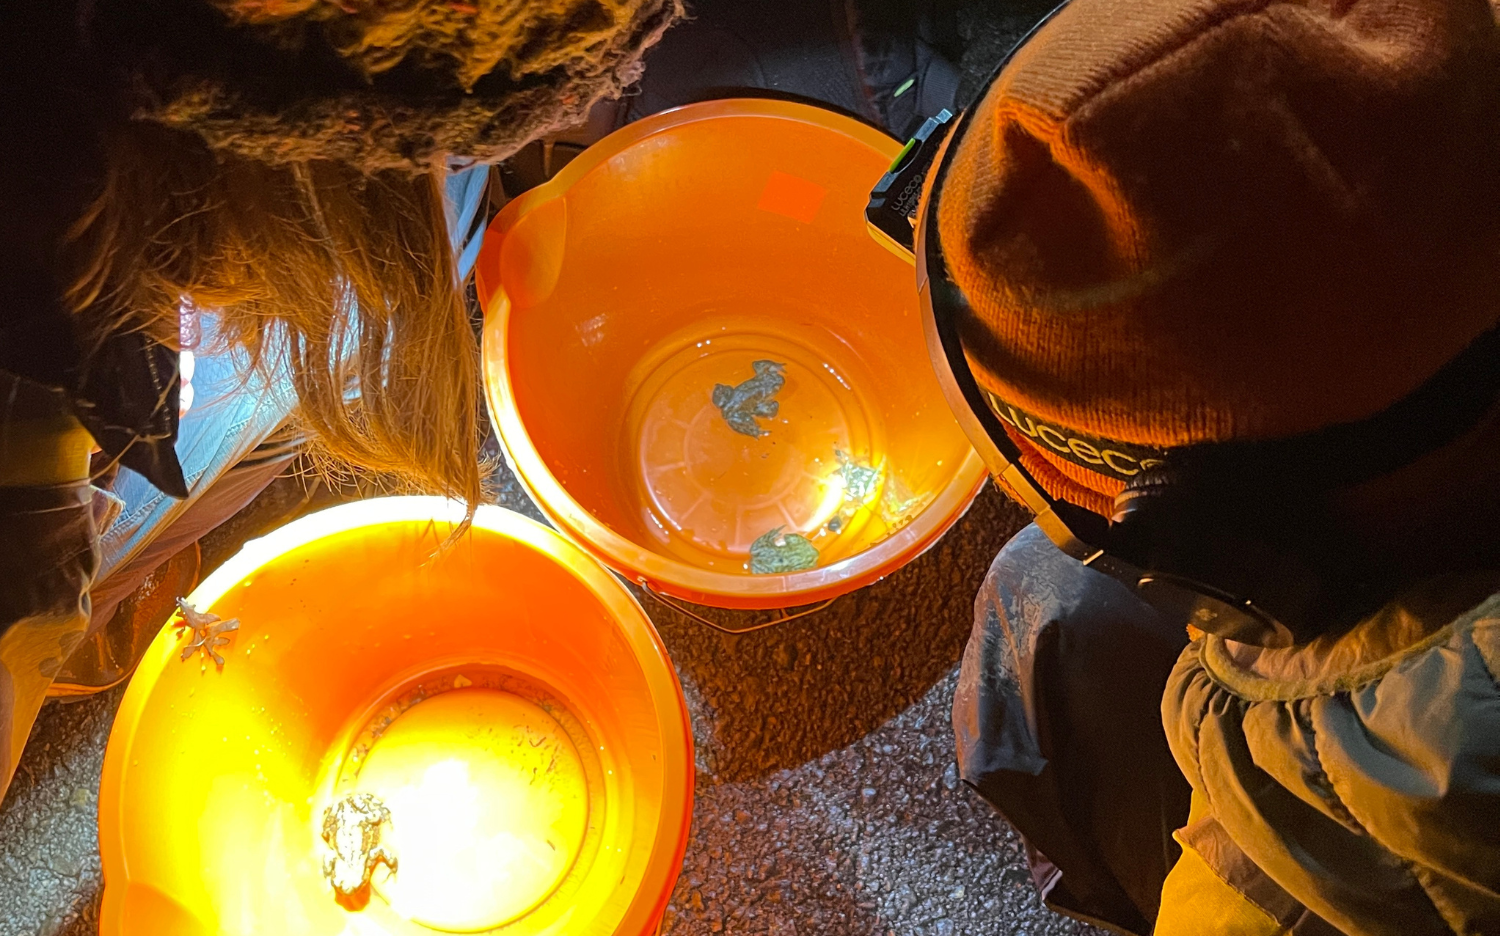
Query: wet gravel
{"points": [[828, 799], [49, 841], [877, 837]]}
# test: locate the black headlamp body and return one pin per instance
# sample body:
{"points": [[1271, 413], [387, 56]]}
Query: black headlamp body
{"points": [[1241, 538]]}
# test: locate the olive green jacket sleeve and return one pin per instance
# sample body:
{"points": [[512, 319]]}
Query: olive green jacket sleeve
{"points": [[1352, 785], [49, 551]]}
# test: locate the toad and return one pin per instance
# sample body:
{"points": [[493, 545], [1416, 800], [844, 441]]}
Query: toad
{"points": [[741, 404], [351, 827]]}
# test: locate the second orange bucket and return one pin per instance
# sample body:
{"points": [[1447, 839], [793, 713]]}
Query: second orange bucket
{"points": [[706, 371], [406, 736]]}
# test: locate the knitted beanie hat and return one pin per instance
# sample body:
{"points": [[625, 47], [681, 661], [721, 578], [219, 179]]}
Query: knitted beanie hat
{"points": [[378, 84], [1183, 221]]}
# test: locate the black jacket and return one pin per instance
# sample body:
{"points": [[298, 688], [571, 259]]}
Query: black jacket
{"points": [[57, 96]]}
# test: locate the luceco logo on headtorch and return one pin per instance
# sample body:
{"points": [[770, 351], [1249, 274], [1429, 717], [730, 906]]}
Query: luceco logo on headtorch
{"points": [[1106, 456]]}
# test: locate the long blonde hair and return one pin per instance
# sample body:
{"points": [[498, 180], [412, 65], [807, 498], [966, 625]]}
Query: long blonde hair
{"points": [[344, 278]]}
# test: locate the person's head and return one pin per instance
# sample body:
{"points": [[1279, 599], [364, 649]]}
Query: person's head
{"points": [[283, 167], [1185, 222]]}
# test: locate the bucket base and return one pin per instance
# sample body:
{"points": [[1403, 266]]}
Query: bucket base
{"points": [[489, 779], [735, 430]]}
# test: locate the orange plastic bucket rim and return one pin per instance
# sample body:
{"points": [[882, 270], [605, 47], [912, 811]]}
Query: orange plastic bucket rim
{"points": [[647, 904], [640, 564]]}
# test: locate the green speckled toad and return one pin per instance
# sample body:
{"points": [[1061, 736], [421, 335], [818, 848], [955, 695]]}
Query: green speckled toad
{"points": [[741, 404], [793, 554]]}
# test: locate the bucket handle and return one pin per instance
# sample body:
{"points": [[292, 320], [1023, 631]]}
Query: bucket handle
{"points": [[682, 609]]}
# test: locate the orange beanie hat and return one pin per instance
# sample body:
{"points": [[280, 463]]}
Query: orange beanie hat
{"points": [[1180, 221]]}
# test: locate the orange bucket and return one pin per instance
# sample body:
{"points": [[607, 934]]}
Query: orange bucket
{"points": [[705, 370], [487, 737]]}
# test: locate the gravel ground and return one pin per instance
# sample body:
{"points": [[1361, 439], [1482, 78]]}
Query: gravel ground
{"points": [[49, 847], [828, 798]]}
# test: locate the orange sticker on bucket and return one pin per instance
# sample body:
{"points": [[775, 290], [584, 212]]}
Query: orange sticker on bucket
{"points": [[789, 195]]}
